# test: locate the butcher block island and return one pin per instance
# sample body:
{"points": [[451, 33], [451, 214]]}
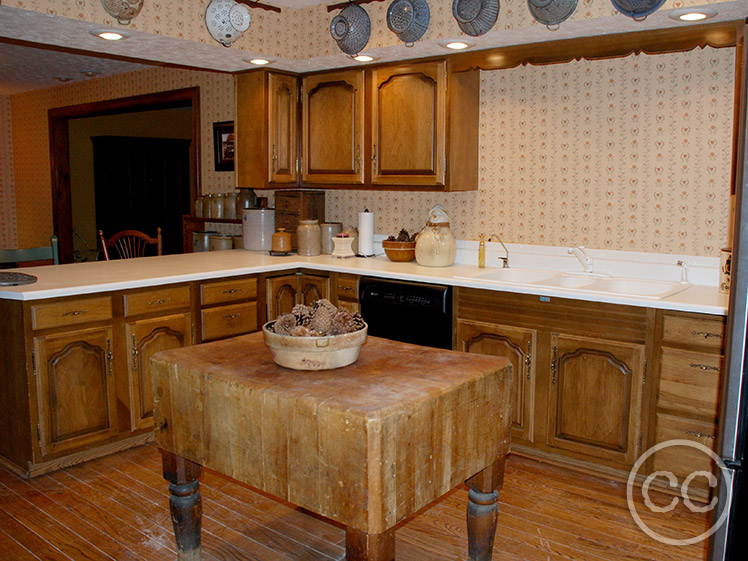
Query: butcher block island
{"points": [[366, 445]]}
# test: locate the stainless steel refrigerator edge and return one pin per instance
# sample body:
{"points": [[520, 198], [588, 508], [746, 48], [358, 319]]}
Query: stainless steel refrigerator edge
{"points": [[729, 541]]}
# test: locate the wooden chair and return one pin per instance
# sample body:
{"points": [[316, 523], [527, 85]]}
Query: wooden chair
{"points": [[130, 243], [45, 253]]}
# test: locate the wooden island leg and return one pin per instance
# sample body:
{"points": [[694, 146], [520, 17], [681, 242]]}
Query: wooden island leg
{"points": [[360, 546], [185, 504], [483, 510]]}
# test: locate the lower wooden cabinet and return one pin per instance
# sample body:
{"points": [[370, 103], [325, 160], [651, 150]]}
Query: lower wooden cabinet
{"points": [[285, 291], [228, 308], [76, 392], [517, 344], [144, 338], [346, 292], [595, 397]]}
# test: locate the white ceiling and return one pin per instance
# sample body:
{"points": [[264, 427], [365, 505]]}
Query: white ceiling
{"points": [[64, 48]]}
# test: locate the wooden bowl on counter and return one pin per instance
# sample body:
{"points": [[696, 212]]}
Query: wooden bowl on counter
{"points": [[401, 252]]}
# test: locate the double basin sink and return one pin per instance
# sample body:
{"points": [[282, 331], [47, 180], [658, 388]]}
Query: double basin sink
{"points": [[580, 282]]}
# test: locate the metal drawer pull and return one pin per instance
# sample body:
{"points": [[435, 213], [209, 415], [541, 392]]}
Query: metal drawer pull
{"points": [[74, 313], [109, 356], [703, 366], [232, 316], [159, 301], [345, 288], [706, 334], [699, 434], [232, 290]]}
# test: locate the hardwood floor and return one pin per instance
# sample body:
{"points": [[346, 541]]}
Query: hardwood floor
{"points": [[116, 508]]}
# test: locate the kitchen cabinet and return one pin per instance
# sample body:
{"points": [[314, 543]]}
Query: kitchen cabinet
{"points": [[332, 128], [689, 369], [285, 291], [265, 129], [346, 291], [578, 398], [228, 308], [517, 344], [77, 404], [424, 126]]}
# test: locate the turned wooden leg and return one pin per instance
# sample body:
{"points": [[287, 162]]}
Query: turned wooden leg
{"points": [[185, 504], [483, 510], [360, 546]]}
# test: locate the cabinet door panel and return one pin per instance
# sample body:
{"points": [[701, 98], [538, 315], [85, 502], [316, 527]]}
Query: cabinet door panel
{"points": [[408, 122], [144, 339], [595, 397], [282, 130], [332, 127], [77, 395], [519, 346], [312, 288], [281, 295]]}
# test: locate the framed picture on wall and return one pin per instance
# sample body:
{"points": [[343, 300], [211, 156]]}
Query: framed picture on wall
{"points": [[223, 145]]}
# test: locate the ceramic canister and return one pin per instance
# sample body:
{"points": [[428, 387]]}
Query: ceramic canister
{"points": [[281, 241], [308, 237], [258, 225], [219, 242], [328, 230], [201, 240]]}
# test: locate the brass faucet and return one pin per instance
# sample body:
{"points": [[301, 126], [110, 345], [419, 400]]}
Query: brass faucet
{"points": [[504, 260]]}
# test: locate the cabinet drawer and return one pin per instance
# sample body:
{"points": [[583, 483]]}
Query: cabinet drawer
{"points": [[158, 300], [347, 287], [690, 383], [228, 291], [705, 333], [682, 460], [225, 321], [73, 312]]}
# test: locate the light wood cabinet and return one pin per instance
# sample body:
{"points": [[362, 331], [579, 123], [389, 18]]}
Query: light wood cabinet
{"points": [[346, 291], [77, 402], [228, 308], [144, 338], [595, 397], [285, 291], [517, 344], [332, 128], [265, 129]]}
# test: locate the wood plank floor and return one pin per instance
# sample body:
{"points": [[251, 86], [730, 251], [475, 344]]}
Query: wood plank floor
{"points": [[116, 508]]}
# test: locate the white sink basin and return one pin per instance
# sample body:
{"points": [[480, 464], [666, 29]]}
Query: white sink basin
{"points": [[509, 275]]}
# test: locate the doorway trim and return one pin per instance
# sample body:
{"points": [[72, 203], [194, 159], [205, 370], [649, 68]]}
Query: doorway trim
{"points": [[62, 210]]}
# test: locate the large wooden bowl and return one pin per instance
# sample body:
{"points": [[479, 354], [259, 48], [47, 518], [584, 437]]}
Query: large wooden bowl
{"points": [[399, 251], [314, 353]]}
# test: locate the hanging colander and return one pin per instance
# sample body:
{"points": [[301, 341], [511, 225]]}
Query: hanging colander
{"points": [[408, 19], [475, 17], [351, 28], [551, 12], [637, 9]]}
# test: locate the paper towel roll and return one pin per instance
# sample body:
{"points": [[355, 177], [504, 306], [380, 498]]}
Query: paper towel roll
{"points": [[366, 233]]}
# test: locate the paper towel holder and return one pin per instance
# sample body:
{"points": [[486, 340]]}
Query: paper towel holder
{"points": [[362, 231]]}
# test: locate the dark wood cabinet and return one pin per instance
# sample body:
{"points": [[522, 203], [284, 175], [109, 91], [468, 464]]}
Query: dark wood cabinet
{"points": [[285, 291], [332, 128]]}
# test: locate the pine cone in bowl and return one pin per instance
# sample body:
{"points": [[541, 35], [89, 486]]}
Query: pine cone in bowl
{"points": [[401, 248]]}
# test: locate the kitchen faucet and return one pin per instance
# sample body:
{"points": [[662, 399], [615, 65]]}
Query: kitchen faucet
{"points": [[683, 271], [504, 260], [582, 256]]}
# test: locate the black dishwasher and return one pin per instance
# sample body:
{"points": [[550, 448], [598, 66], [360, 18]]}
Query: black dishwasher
{"points": [[406, 311]]}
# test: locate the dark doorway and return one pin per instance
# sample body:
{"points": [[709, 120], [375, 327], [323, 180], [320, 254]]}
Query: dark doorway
{"points": [[142, 184], [60, 153]]}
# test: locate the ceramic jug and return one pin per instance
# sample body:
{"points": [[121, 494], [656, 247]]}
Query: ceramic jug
{"points": [[435, 244]]}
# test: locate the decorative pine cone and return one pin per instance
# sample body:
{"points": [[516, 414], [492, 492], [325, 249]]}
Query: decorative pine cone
{"points": [[285, 324], [322, 317], [302, 313], [345, 321], [301, 331]]}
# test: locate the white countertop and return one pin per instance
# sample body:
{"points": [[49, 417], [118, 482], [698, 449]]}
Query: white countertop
{"points": [[86, 278]]}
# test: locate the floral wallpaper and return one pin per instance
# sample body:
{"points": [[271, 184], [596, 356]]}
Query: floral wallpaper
{"points": [[628, 154], [8, 234], [30, 136]]}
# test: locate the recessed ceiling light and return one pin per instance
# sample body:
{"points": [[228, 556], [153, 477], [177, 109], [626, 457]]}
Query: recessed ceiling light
{"points": [[456, 45], [259, 61], [364, 58], [692, 14], [109, 34]]}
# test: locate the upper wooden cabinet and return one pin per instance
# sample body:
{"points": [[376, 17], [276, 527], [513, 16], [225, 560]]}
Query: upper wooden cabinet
{"points": [[332, 128], [265, 129], [395, 126]]}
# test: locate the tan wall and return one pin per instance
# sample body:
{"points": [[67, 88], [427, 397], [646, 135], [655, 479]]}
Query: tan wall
{"points": [[31, 137], [167, 123], [627, 154]]}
